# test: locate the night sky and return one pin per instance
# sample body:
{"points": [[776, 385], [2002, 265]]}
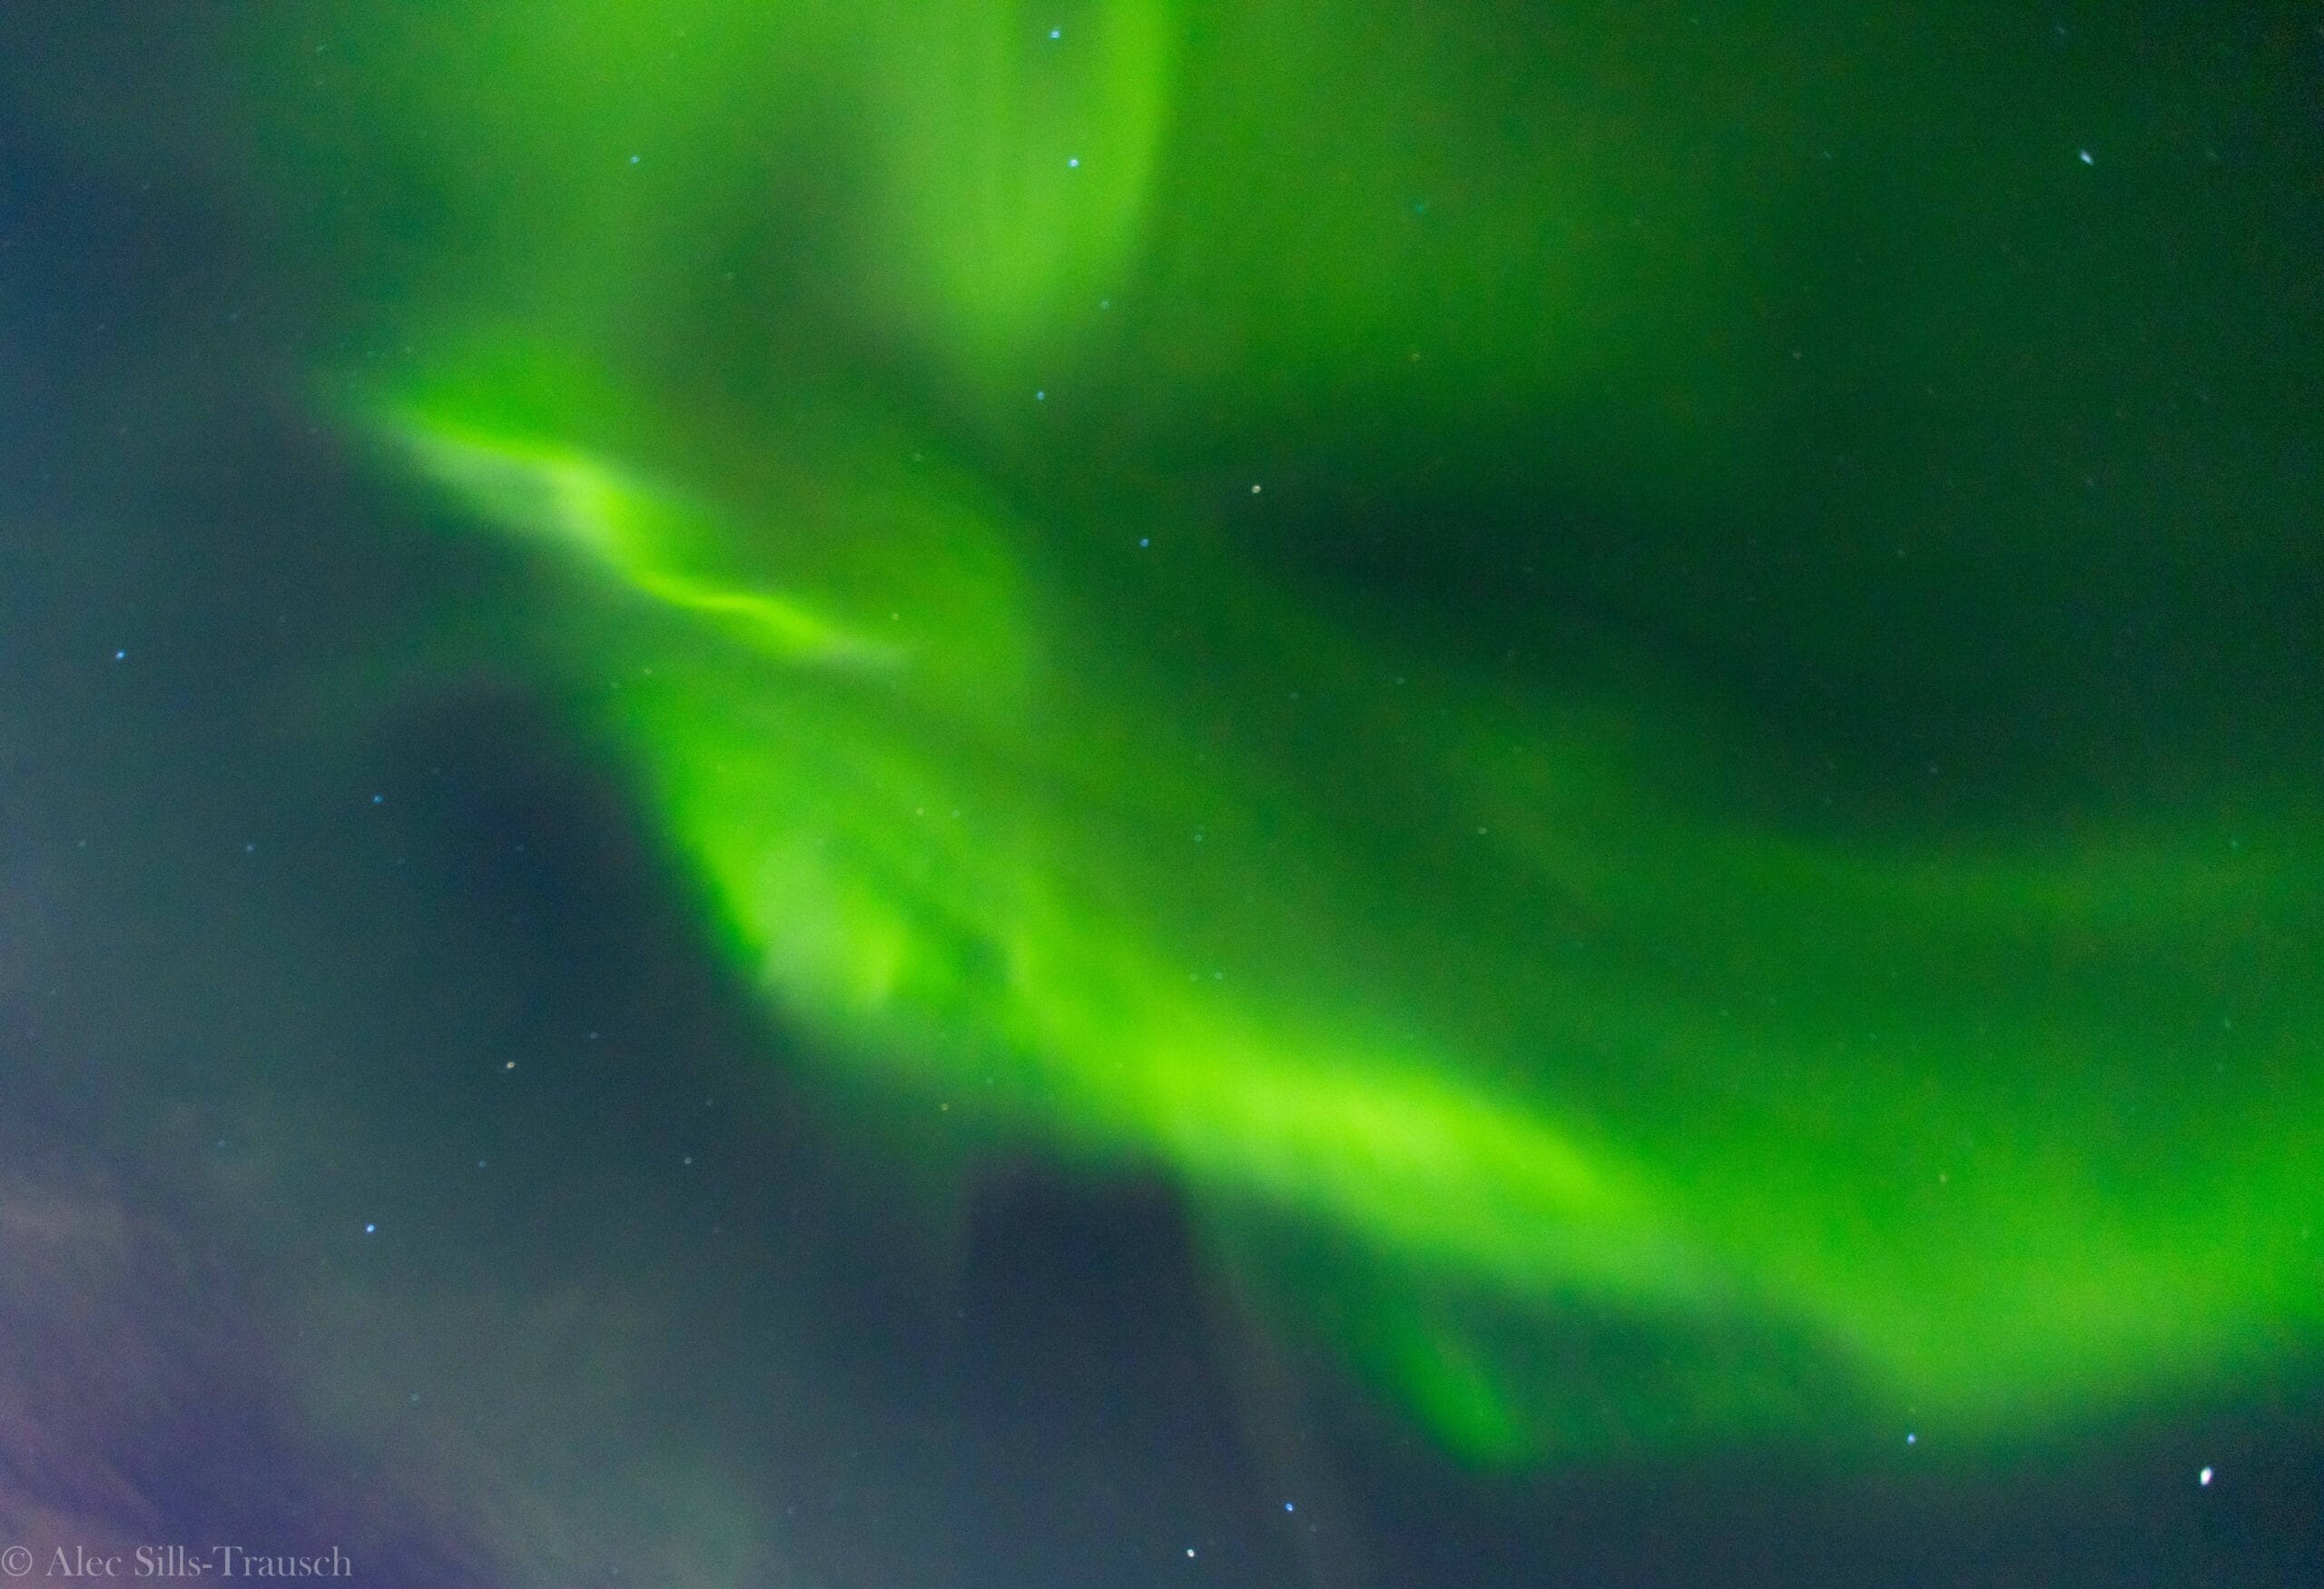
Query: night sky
{"points": [[1152, 793]]}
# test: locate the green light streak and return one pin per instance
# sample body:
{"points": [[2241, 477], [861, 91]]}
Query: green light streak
{"points": [[622, 526], [1016, 166], [1495, 1033], [994, 894]]}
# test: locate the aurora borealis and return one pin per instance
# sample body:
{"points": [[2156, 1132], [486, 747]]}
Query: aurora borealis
{"points": [[1631, 695], [1511, 1076]]}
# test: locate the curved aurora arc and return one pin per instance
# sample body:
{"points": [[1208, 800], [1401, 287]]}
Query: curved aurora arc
{"points": [[953, 839], [1574, 1110]]}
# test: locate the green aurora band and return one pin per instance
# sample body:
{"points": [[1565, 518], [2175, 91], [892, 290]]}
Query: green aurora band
{"points": [[1492, 1033], [1560, 1088]]}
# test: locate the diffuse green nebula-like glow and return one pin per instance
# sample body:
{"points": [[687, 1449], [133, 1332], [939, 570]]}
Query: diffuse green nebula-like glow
{"points": [[1600, 1056], [1574, 1100]]}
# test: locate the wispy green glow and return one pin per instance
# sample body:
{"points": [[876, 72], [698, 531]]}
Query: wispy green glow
{"points": [[1018, 164], [1996, 1207], [1496, 1035], [623, 528]]}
